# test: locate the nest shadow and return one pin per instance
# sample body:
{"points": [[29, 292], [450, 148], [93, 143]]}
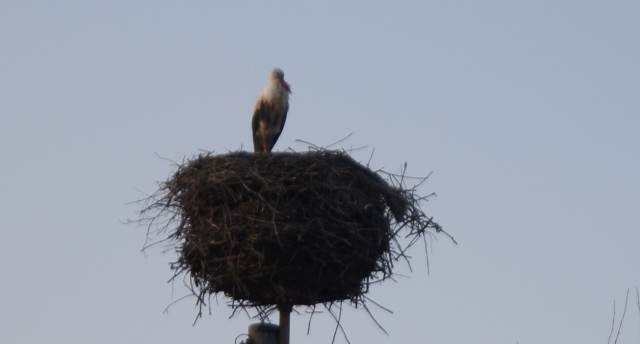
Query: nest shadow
{"points": [[286, 228]]}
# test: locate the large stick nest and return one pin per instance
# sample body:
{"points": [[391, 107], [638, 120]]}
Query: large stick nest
{"points": [[286, 228]]}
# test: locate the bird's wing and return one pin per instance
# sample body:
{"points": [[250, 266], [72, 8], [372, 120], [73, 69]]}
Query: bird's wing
{"points": [[258, 116], [284, 119]]}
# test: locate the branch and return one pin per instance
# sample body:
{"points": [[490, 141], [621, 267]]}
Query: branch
{"points": [[624, 312], [638, 298], [613, 322]]}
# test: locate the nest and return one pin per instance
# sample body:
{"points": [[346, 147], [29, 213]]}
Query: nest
{"points": [[286, 228]]}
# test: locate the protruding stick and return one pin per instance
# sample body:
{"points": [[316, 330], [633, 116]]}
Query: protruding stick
{"points": [[285, 318]]}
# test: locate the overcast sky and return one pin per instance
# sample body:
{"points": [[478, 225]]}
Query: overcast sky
{"points": [[527, 112]]}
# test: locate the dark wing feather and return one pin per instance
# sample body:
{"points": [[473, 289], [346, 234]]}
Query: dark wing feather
{"points": [[258, 116], [284, 119]]}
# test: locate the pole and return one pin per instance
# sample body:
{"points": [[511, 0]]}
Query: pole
{"points": [[285, 318]]}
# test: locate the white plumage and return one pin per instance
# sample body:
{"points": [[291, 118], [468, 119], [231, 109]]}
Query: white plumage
{"points": [[270, 112]]}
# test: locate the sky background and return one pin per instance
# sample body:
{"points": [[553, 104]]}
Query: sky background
{"points": [[527, 112]]}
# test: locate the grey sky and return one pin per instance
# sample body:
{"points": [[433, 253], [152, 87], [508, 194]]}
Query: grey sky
{"points": [[527, 112]]}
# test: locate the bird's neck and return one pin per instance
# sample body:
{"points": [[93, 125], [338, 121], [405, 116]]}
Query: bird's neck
{"points": [[275, 94], [281, 85]]}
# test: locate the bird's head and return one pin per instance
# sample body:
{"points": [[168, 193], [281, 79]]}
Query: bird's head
{"points": [[277, 75]]}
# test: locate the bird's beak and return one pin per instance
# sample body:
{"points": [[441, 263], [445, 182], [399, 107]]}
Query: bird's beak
{"points": [[286, 86]]}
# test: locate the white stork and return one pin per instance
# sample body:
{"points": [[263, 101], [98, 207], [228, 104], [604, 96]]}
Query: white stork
{"points": [[270, 112]]}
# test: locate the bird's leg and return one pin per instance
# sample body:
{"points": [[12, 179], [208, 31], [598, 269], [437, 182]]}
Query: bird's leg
{"points": [[263, 135]]}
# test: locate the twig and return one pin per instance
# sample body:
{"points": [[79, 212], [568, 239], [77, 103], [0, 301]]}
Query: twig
{"points": [[373, 150], [624, 313], [638, 298], [338, 323], [313, 311], [166, 309], [613, 322], [426, 253], [339, 141], [312, 145], [364, 305]]}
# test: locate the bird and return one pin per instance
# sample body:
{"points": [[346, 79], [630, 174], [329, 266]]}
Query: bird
{"points": [[270, 112]]}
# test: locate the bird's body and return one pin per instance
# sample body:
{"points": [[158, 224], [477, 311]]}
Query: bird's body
{"points": [[270, 113]]}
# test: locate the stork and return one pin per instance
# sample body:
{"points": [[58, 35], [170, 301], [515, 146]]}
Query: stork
{"points": [[270, 112]]}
